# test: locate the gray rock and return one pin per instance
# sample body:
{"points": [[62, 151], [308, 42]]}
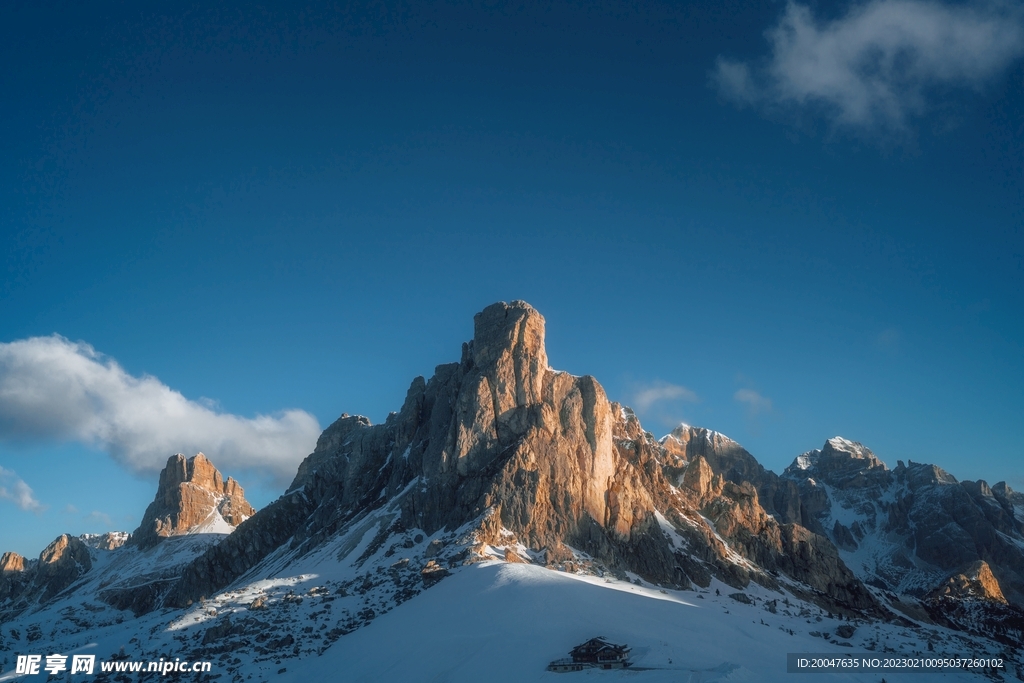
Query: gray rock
{"points": [[845, 631], [944, 525], [501, 440]]}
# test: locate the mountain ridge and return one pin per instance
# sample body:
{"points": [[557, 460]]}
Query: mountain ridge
{"points": [[560, 465], [500, 458]]}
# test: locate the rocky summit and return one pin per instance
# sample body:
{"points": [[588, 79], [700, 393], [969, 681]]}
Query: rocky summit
{"points": [[498, 457], [59, 565], [541, 466], [192, 497], [910, 529], [194, 508]]}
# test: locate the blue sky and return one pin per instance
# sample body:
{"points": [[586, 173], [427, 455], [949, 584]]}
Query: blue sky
{"points": [[779, 221]]}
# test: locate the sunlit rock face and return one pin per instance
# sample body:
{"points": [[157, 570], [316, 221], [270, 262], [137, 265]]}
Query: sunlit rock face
{"points": [[194, 508], [24, 583], [500, 457], [192, 497], [502, 442], [11, 562], [976, 583]]}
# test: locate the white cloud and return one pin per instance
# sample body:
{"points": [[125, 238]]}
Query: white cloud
{"points": [[52, 388], [12, 488], [645, 397], [877, 65], [755, 402]]}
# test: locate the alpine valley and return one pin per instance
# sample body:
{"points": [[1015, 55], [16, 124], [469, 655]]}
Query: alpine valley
{"points": [[509, 512]]}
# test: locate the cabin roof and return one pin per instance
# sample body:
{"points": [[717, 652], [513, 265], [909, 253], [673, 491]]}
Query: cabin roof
{"points": [[598, 644]]}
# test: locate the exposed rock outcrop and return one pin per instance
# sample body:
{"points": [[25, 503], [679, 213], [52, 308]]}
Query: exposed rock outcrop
{"points": [[503, 439], [12, 577], [911, 526], [779, 497], [974, 583], [193, 509], [112, 540], [11, 562], [191, 497], [973, 601], [60, 565]]}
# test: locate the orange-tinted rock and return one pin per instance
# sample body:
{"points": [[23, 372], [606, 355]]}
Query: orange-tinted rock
{"points": [[975, 583], [502, 441], [12, 562], [191, 497], [60, 564]]}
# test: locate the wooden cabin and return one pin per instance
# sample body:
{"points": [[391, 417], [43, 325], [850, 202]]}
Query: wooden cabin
{"points": [[601, 652], [597, 653]]}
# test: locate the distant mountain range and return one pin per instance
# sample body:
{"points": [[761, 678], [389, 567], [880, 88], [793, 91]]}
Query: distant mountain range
{"points": [[499, 460]]}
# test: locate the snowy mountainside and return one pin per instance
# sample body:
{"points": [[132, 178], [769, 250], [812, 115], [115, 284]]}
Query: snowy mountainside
{"points": [[366, 608], [130, 571], [907, 530], [511, 508], [898, 526], [504, 622]]}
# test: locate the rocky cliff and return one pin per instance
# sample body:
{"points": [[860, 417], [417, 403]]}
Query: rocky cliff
{"points": [[908, 530], [975, 583], [193, 509], [500, 457], [192, 497], [60, 564], [535, 459], [779, 497]]}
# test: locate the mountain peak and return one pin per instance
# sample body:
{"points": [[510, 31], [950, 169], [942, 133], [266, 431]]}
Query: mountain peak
{"points": [[840, 461], [11, 562], [516, 329], [192, 497], [684, 432], [976, 582], [852, 449]]}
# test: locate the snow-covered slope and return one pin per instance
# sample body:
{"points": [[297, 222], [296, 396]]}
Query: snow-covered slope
{"points": [[501, 622], [333, 615], [905, 531], [507, 513]]}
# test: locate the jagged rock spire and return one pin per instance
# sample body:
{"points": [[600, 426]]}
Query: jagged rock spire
{"points": [[502, 442], [192, 497]]}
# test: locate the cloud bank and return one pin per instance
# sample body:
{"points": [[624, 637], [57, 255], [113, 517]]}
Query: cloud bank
{"points": [[52, 388], [877, 65], [12, 488]]}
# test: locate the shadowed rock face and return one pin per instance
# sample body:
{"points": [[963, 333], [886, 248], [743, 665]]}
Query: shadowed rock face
{"points": [[59, 565], [779, 497], [920, 523], [501, 441], [192, 493]]}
